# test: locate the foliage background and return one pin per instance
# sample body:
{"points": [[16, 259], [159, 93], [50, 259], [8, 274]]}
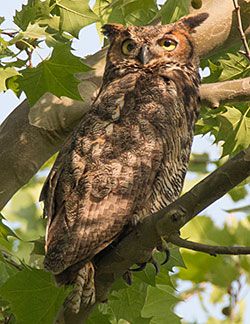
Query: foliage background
{"points": [[215, 286]]}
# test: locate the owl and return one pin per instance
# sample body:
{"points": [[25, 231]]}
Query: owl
{"points": [[128, 156]]}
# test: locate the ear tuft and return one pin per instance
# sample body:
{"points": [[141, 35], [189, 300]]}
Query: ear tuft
{"points": [[110, 30], [191, 22]]}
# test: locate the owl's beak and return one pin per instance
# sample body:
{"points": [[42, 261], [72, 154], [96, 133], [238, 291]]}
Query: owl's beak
{"points": [[144, 55]]}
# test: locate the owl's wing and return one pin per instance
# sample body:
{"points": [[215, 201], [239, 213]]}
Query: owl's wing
{"points": [[87, 207]]}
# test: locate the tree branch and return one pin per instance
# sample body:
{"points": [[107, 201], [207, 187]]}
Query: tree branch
{"points": [[242, 34], [215, 94], [210, 249], [137, 246], [221, 26]]}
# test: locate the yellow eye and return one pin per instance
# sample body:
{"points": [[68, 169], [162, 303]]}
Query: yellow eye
{"points": [[168, 44], [128, 46]]}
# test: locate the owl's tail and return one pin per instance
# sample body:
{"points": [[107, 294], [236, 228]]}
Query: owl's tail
{"points": [[84, 288]]}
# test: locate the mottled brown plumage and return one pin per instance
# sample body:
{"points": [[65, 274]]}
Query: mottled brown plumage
{"points": [[129, 155]]}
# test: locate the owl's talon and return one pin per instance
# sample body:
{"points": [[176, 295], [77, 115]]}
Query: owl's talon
{"points": [[163, 247], [141, 266], [167, 256], [155, 264], [127, 277]]}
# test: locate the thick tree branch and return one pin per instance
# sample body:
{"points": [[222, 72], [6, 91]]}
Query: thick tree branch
{"points": [[220, 31], [24, 148], [215, 94], [210, 249], [136, 247]]}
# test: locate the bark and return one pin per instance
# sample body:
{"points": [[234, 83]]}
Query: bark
{"points": [[220, 31], [210, 249], [215, 94]]}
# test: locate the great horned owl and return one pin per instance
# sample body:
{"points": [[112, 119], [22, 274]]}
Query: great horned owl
{"points": [[128, 156]]}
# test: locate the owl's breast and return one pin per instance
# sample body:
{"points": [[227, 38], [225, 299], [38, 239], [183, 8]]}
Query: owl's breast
{"points": [[157, 101]]}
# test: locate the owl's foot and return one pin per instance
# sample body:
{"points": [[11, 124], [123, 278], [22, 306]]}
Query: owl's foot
{"points": [[142, 266], [163, 247], [127, 277], [84, 289]]}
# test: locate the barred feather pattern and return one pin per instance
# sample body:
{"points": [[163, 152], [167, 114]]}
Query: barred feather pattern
{"points": [[128, 156]]}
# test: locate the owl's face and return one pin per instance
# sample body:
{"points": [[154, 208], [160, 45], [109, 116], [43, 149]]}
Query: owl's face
{"points": [[145, 47]]}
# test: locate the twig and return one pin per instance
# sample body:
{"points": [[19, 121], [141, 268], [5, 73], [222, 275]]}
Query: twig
{"points": [[210, 249], [10, 34], [242, 34]]}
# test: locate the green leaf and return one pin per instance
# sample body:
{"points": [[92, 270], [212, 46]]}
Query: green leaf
{"points": [[171, 318], [75, 14], [1, 20], [4, 50], [126, 12], [159, 303], [97, 317], [33, 31], [5, 231], [147, 275], [6, 271], [208, 121], [241, 236], [235, 67], [198, 163], [175, 259], [33, 296], [215, 72], [31, 12], [4, 75], [172, 11], [39, 245], [163, 278], [18, 63], [234, 129], [214, 267], [127, 303], [129, 12], [202, 229], [13, 84], [238, 193], [55, 75]]}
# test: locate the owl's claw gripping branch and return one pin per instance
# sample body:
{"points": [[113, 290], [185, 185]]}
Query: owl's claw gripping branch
{"points": [[162, 246], [143, 265]]}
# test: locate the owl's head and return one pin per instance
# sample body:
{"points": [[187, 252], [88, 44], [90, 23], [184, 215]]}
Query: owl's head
{"points": [[142, 47]]}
